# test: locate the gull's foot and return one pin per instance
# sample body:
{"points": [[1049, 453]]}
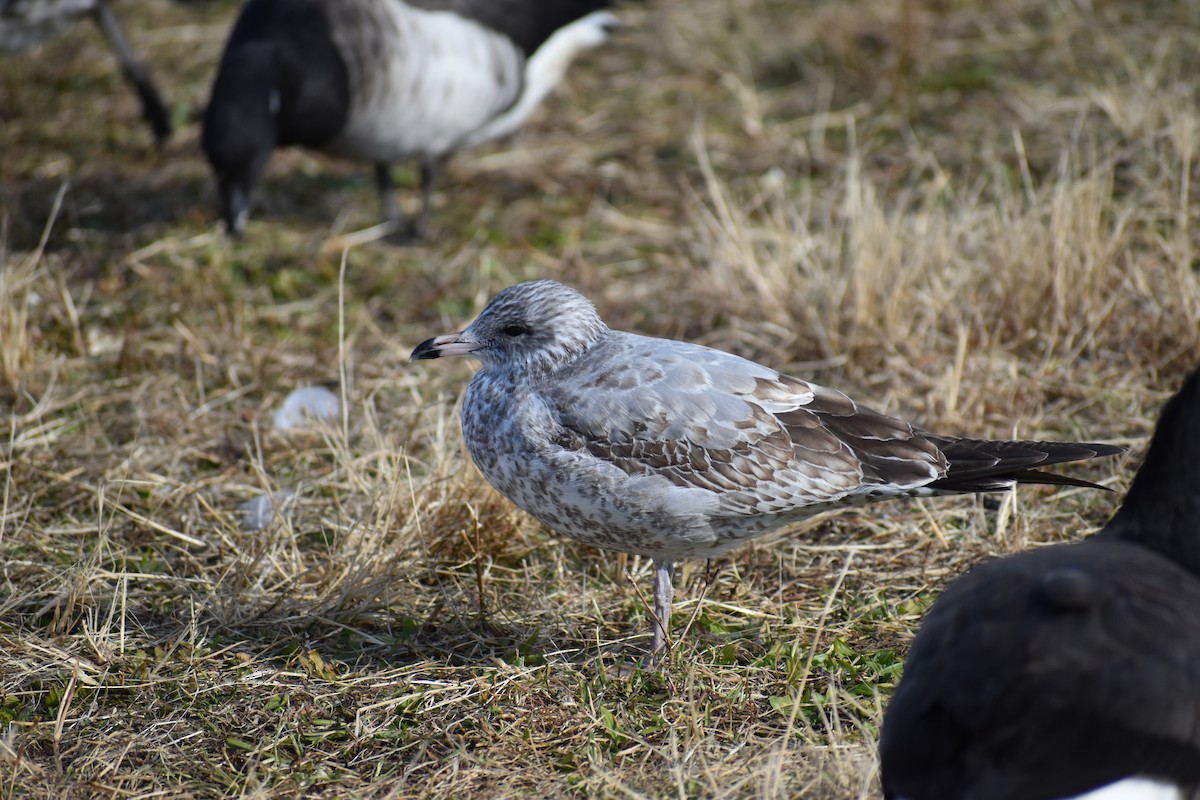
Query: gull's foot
{"points": [[626, 668], [631, 664]]}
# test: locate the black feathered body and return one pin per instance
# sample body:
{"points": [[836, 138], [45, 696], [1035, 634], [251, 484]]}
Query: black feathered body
{"points": [[1058, 671], [1049, 674]]}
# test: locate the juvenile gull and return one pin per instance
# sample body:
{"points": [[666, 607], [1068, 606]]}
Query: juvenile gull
{"points": [[672, 450]]}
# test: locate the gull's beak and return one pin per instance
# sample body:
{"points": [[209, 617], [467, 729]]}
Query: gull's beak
{"points": [[450, 344]]}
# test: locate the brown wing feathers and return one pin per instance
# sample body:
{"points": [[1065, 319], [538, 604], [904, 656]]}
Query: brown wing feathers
{"points": [[894, 452], [890, 451]]}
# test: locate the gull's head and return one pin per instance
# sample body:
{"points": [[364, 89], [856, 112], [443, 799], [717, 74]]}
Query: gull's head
{"points": [[535, 327]]}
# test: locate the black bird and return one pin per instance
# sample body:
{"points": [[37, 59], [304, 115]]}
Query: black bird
{"points": [[384, 80], [24, 24], [1059, 671]]}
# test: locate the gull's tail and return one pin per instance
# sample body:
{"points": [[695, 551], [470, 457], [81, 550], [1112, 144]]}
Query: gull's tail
{"points": [[980, 465]]}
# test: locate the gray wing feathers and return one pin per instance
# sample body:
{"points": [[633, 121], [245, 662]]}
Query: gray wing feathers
{"points": [[706, 419]]}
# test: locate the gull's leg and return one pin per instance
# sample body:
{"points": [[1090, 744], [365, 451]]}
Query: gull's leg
{"points": [[664, 594]]}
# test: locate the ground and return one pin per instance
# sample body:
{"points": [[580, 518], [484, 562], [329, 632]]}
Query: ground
{"points": [[981, 216]]}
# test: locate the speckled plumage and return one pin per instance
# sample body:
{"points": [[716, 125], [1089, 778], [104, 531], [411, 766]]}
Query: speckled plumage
{"points": [[673, 450]]}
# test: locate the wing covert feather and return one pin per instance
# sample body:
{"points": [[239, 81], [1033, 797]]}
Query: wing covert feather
{"points": [[706, 419]]}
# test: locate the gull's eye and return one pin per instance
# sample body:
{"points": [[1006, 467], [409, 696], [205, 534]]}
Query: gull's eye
{"points": [[515, 330]]}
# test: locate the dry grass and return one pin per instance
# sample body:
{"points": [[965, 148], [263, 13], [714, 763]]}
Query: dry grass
{"points": [[983, 215]]}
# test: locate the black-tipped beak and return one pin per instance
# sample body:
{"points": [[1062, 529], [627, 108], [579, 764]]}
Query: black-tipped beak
{"points": [[450, 344]]}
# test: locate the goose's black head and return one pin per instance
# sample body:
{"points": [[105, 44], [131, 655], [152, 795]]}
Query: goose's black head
{"points": [[240, 129], [281, 81]]}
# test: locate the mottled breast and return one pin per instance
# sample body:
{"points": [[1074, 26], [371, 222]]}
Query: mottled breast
{"points": [[517, 443]]}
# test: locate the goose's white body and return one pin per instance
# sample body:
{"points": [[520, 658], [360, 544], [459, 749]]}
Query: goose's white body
{"points": [[420, 96]]}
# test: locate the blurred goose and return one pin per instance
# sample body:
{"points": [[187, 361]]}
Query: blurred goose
{"points": [[384, 80], [24, 24], [1072, 670]]}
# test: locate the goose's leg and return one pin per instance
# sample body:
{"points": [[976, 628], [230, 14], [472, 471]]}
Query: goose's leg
{"points": [[153, 109], [430, 167], [387, 194]]}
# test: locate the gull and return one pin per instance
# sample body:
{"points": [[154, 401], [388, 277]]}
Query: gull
{"points": [[1072, 670], [382, 81], [671, 450]]}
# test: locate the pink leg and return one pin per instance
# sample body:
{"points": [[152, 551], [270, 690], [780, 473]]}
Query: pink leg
{"points": [[664, 594]]}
